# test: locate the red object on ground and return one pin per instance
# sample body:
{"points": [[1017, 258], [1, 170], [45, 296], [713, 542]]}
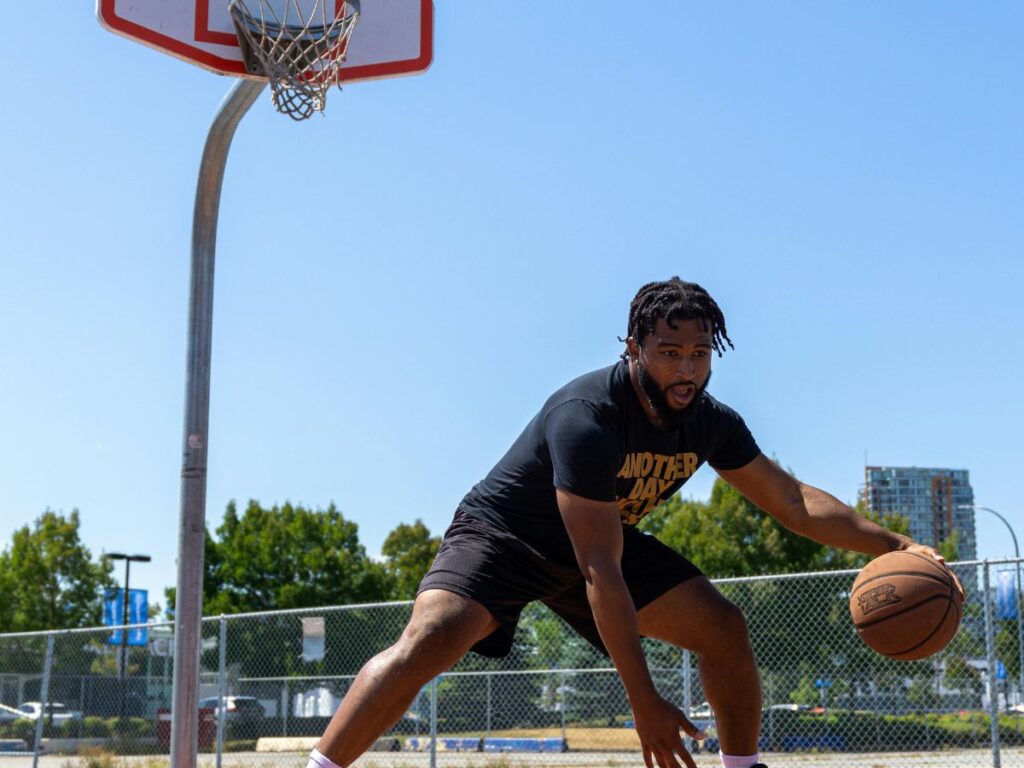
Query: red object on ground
{"points": [[207, 734]]}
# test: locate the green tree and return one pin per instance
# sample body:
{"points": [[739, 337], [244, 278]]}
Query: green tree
{"points": [[794, 623], [949, 547], [729, 536], [271, 558], [49, 579], [408, 552], [288, 556]]}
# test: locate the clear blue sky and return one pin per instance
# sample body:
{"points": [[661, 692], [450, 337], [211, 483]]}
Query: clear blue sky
{"points": [[846, 178]]}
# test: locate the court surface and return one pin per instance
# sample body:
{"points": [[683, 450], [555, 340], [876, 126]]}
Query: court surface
{"points": [[952, 759]]}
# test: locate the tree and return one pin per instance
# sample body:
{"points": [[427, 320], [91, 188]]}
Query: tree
{"points": [[791, 620], [49, 579], [408, 552], [286, 557], [949, 547], [729, 536]]}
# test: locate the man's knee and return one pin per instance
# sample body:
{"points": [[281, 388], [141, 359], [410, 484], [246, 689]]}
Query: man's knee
{"points": [[728, 632], [431, 636], [441, 631]]}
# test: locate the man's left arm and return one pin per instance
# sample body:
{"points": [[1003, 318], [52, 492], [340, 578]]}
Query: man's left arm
{"points": [[811, 512]]}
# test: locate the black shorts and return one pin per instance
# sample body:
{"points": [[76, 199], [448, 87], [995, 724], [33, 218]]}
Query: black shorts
{"points": [[503, 573]]}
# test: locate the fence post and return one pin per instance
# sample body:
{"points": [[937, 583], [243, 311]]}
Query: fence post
{"points": [[44, 700], [488, 729], [284, 709], [81, 705], [433, 723], [687, 688], [562, 696], [687, 682], [221, 685], [990, 655]]}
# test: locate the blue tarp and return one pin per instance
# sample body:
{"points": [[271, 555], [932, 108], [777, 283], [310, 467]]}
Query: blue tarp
{"points": [[525, 745]]}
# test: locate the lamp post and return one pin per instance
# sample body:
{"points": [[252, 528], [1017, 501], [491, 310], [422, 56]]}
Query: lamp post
{"points": [[1017, 595], [122, 650]]}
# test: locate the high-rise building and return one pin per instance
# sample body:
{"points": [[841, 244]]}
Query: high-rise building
{"points": [[937, 502]]}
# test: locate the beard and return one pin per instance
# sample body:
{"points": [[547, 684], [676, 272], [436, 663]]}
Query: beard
{"points": [[669, 418]]}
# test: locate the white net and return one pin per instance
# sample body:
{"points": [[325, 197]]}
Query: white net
{"points": [[298, 45]]}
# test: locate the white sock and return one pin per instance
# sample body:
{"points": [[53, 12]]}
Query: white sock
{"points": [[739, 761], [316, 760]]}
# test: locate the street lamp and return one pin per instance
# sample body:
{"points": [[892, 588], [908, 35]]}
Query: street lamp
{"points": [[123, 649], [1017, 596]]}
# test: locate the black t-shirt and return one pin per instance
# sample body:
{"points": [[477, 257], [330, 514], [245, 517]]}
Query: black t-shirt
{"points": [[593, 439]]}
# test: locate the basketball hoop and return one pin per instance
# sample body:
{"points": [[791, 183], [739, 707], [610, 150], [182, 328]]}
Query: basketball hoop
{"points": [[298, 46]]}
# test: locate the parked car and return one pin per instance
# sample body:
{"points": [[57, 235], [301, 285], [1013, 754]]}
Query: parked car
{"points": [[31, 710], [8, 714], [702, 712], [237, 709]]}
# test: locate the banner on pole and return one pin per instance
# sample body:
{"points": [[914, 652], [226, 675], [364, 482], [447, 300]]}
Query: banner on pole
{"points": [[1006, 595], [313, 638], [138, 613]]}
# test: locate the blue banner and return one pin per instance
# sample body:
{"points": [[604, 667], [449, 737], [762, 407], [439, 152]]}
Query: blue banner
{"points": [[1006, 595], [138, 613]]}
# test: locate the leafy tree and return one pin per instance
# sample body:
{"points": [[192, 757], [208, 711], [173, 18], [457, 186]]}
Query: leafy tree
{"points": [[949, 548], [408, 552], [48, 578], [729, 536], [794, 623], [286, 557]]}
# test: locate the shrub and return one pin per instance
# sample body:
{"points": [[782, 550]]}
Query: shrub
{"points": [[240, 745], [22, 728], [93, 758], [136, 727], [130, 734], [95, 727]]}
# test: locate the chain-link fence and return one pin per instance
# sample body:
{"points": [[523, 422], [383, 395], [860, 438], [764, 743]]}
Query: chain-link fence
{"points": [[270, 682]]}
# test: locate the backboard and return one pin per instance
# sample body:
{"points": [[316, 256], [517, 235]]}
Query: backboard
{"points": [[392, 38]]}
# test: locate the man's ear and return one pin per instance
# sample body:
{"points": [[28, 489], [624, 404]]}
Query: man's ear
{"points": [[632, 348]]}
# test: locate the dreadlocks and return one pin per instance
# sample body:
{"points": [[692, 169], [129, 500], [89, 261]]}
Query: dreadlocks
{"points": [[675, 300]]}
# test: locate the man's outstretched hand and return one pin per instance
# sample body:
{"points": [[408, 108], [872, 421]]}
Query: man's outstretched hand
{"points": [[657, 724]]}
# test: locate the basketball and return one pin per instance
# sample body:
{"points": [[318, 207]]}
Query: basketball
{"points": [[906, 605]]}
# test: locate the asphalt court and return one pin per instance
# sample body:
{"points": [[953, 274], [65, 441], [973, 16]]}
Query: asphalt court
{"points": [[952, 759]]}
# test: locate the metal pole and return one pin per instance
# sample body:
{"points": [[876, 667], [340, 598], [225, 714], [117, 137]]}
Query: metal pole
{"points": [[433, 723], [123, 649], [561, 703], [1018, 604], [489, 707], [44, 701], [687, 690], [285, 705], [990, 654], [192, 519], [221, 687], [81, 704], [1016, 601]]}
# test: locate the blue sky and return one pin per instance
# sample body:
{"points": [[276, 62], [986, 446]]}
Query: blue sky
{"points": [[846, 178]]}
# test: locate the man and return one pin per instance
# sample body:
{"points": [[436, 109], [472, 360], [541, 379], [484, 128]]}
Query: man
{"points": [[555, 521]]}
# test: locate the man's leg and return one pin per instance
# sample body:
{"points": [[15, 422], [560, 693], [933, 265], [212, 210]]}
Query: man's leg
{"points": [[443, 627], [696, 616]]}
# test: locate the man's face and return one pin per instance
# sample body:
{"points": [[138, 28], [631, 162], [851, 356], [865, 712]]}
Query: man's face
{"points": [[673, 366]]}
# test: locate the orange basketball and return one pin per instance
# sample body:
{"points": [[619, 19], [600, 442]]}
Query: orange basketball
{"points": [[906, 605]]}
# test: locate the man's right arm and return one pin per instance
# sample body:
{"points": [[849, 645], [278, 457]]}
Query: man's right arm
{"points": [[595, 530]]}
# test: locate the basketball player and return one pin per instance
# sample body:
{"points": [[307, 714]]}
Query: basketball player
{"points": [[555, 521]]}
